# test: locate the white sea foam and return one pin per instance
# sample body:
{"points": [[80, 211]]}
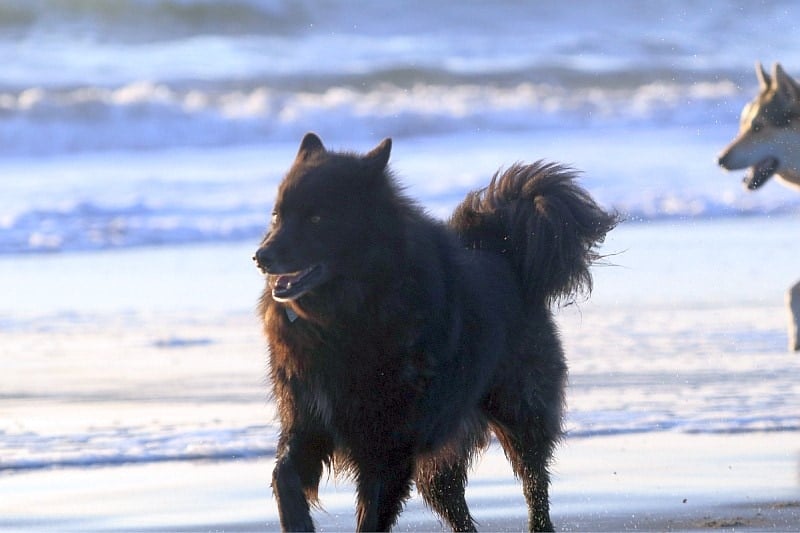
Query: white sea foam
{"points": [[151, 115]]}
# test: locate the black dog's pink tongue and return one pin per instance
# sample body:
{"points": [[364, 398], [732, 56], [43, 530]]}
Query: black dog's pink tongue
{"points": [[759, 174], [283, 282]]}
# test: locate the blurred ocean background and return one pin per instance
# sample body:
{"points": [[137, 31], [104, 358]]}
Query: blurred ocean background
{"points": [[161, 122], [142, 141]]}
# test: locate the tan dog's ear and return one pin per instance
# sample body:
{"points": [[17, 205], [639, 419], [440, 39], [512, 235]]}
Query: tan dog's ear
{"points": [[784, 85], [763, 77]]}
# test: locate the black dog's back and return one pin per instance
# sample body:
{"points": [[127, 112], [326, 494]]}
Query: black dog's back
{"points": [[397, 342]]}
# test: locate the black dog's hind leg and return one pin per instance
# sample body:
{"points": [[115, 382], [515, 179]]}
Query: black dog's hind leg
{"points": [[441, 485], [529, 446], [295, 479], [382, 490]]}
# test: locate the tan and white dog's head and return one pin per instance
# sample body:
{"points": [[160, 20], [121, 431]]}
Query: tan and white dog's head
{"points": [[768, 142]]}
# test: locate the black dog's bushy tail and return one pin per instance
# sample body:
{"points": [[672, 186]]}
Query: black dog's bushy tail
{"points": [[543, 222]]}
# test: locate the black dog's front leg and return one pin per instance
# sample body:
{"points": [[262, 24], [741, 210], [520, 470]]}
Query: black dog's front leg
{"points": [[293, 508], [381, 494], [295, 480]]}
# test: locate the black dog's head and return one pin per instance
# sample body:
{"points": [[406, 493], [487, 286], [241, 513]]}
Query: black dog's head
{"points": [[326, 209]]}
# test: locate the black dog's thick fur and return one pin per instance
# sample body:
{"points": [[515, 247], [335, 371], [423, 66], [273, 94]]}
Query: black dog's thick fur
{"points": [[397, 343]]}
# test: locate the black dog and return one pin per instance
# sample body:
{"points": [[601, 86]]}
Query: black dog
{"points": [[398, 342]]}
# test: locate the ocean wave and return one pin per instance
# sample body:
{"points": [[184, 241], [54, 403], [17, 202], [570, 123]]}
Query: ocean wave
{"points": [[128, 445], [89, 226], [148, 20], [628, 423], [147, 115], [92, 226], [119, 446]]}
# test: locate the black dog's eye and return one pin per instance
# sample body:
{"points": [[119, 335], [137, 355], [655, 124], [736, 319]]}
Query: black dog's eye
{"points": [[756, 127], [314, 219], [274, 219]]}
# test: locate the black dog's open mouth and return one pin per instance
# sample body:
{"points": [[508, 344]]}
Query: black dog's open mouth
{"points": [[758, 174], [290, 286]]}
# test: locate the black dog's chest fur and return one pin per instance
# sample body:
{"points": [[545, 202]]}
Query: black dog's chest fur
{"points": [[372, 389]]}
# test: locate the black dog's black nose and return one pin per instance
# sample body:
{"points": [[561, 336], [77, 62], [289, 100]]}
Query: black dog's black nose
{"points": [[263, 258]]}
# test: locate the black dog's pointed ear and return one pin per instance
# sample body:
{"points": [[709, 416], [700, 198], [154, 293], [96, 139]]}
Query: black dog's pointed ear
{"points": [[763, 78], [378, 157], [311, 144]]}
